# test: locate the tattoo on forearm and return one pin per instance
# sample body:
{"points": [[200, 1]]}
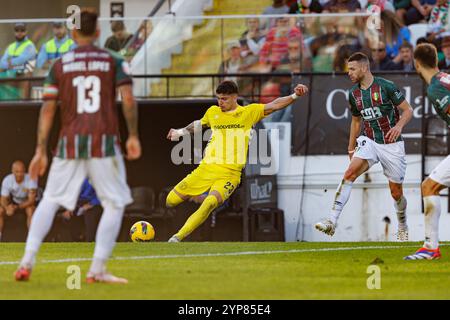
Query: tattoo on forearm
{"points": [[193, 127], [190, 127]]}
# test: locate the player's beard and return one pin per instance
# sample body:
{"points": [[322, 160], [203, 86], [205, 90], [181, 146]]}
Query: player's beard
{"points": [[359, 78], [20, 38], [356, 79]]}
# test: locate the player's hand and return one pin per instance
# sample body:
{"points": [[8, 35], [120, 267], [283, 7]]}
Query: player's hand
{"points": [[38, 165], [175, 134], [133, 146], [393, 134], [67, 214], [87, 206], [172, 135], [301, 90]]}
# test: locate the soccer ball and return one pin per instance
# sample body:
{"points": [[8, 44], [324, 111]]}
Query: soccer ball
{"points": [[142, 231]]}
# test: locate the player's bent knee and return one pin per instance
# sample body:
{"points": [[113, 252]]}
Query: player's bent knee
{"points": [[217, 195], [396, 191], [211, 202], [430, 187], [396, 194], [350, 175], [173, 199]]}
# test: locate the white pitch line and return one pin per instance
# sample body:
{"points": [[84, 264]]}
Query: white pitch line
{"points": [[223, 254]]}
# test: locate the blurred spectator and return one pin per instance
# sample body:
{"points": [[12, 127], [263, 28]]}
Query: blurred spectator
{"points": [[272, 90], [18, 194], [438, 25], [120, 37], [401, 7], [253, 37], [276, 45], [439, 21], [277, 7], [239, 59], [381, 61], [419, 10], [250, 61], [406, 54], [19, 60], [394, 34], [307, 6], [421, 40], [289, 3], [292, 62], [324, 48], [89, 208], [20, 55], [234, 62], [343, 52], [54, 48], [384, 5], [269, 92], [338, 6], [445, 46], [136, 42]]}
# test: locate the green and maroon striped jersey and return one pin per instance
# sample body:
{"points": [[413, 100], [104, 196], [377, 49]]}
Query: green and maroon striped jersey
{"points": [[84, 80], [377, 106], [438, 93]]}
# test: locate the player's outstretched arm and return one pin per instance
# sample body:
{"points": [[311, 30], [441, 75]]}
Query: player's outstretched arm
{"points": [[283, 102], [407, 113], [130, 112], [38, 164], [193, 127], [355, 129]]}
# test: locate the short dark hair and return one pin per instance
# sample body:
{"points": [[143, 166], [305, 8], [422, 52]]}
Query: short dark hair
{"points": [[406, 45], [227, 87], [358, 57], [421, 40], [88, 22], [117, 26], [426, 54]]}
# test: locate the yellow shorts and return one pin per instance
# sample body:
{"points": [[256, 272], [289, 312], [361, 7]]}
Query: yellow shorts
{"points": [[209, 178]]}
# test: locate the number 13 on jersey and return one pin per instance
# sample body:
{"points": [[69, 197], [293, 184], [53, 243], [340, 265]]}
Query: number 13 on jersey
{"points": [[89, 85]]}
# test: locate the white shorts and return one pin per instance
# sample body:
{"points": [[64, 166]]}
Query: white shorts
{"points": [[391, 156], [107, 176], [441, 174]]}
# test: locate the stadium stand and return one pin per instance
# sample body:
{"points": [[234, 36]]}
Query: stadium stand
{"points": [[204, 52]]}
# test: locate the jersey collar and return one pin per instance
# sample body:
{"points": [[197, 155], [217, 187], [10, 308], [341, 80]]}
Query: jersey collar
{"points": [[373, 81]]}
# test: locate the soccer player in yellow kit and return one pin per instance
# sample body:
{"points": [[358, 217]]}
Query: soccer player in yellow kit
{"points": [[219, 173]]}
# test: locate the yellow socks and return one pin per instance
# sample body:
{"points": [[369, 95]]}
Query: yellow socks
{"points": [[198, 217]]}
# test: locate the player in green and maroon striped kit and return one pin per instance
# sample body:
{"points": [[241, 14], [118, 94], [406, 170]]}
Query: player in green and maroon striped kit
{"points": [[375, 102], [87, 130], [84, 81], [438, 92]]}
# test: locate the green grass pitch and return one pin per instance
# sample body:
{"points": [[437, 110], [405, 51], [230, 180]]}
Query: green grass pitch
{"points": [[299, 270]]}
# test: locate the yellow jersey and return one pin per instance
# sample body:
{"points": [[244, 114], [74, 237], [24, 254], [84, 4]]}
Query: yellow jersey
{"points": [[231, 133]]}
